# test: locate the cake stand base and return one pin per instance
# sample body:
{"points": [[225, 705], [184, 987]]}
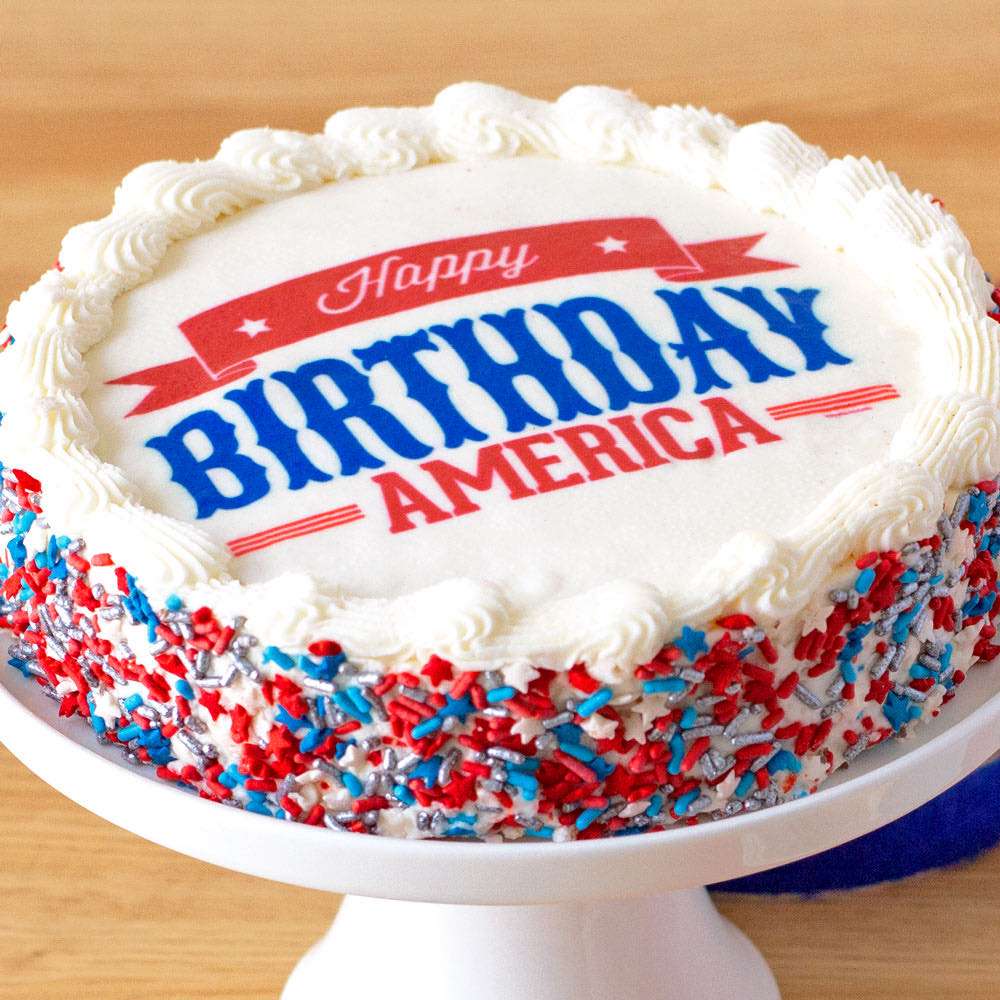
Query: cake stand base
{"points": [[675, 946]]}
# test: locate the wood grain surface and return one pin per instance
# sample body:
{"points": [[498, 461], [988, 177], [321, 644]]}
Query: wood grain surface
{"points": [[88, 91]]}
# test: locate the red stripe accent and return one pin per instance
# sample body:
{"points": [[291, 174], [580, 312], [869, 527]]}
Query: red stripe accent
{"points": [[247, 549], [336, 511], [832, 407], [278, 535], [835, 397], [295, 529], [837, 401], [835, 407]]}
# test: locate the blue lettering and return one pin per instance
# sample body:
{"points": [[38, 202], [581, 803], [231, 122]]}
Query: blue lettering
{"points": [[275, 435], [497, 377], [330, 422], [632, 340], [401, 352], [193, 473], [692, 313], [801, 326]]}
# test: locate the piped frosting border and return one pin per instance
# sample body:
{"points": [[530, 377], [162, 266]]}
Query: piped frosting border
{"points": [[907, 244]]}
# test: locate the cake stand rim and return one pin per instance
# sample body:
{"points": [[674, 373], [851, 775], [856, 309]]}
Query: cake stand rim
{"points": [[463, 872]]}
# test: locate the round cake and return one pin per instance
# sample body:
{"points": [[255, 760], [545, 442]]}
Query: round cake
{"points": [[504, 468]]}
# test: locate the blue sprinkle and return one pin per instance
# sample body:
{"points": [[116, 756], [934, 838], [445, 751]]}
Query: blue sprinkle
{"points": [[910, 576], [23, 521], [543, 832], [568, 731], [849, 672], [174, 603], [404, 794], [132, 702], [22, 665], [597, 700], [784, 760], [312, 739], [865, 580], [352, 784], [655, 805], [678, 751], [127, 733], [946, 657], [691, 642], [428, 771], [459, 707], [500, 694], [530, 764], [226, 779], [258, 807], [689, 717], [673, 685], [578, 751], [979, 508], [184, 689], [682, 805], [100, 726], [746, 783], [292, 722], [18, 552], [899, 710], [587, 817], [601, 767], [237, 775], [279, 658], [346, 703], [360, 701], [525, 783], [425, 728]]}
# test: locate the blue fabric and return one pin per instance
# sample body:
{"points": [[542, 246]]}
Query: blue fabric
{"points": [[959, 824]]}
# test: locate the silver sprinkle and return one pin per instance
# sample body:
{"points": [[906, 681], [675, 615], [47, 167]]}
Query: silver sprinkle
{"points": [[741, 716], [748, 739], [806, 696], [557, 720], [696, 732], [832, 708]]}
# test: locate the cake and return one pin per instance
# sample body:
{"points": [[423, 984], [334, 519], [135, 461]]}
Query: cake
{"points": [[504, 469]]}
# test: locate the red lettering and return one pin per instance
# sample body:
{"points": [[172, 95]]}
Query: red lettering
{"points": [[653, 420], [602, 443], [403, 499], [630, 429], [732, 423], [491, 464], [537, 464]]}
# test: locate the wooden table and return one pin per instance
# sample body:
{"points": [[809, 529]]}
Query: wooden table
{"points": [[89, 90]]}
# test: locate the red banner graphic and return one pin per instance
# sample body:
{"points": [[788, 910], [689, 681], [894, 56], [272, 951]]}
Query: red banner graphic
{"points": [[227, 338]]}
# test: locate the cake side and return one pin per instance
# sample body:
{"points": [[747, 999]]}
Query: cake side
{"points": [[728, 717]]}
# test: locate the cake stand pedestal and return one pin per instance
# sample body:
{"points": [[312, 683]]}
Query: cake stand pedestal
{"points": [[675, 946], [608, 919]]}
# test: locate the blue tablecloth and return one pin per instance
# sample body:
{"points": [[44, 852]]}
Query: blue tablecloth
{"points": [[959, 824]]}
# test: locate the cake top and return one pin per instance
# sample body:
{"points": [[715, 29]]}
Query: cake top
{"points": [[502, 379]]}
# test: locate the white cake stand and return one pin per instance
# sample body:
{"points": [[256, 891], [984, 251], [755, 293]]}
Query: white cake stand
{"points": [[596, 920]]}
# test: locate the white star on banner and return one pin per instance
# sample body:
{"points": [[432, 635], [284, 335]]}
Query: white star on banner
{"points": [[252, 327], [611, 244]]}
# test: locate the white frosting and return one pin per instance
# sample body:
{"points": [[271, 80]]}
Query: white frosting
{"points": [[890, 487]]}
